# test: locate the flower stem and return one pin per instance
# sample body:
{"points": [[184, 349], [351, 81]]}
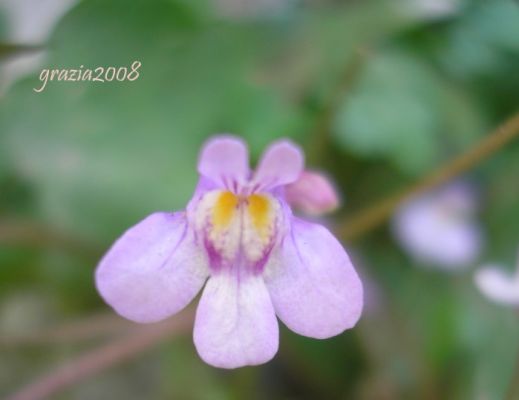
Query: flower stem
{"points": [[103, 357], [513, 389], [320, 139], [377, 213], [36, 235], [85, 328]]}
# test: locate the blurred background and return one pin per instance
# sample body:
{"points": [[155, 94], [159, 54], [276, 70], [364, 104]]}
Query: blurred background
{"points": [[377, 92]]}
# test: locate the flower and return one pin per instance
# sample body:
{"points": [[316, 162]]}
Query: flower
{"points": [[497, 285], [239, 234], [439, 228], [312, 193]]}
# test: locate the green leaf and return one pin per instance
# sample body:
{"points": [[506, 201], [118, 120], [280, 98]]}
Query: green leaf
{"points": [[401, 110], [482, 40]]}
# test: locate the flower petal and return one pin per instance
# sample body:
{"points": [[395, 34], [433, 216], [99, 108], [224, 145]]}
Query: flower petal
{"points": [[434, 233], [281, 164], [225, 161], [312, 283], [497, 285], [153, 270], [235, 322], [313, 193]]}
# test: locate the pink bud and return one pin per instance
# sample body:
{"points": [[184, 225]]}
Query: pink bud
{"points": [[313, 193]]}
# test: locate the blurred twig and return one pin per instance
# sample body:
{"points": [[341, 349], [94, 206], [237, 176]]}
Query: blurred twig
{"points": [[320, 138], [376, 214], [33, 234], [86, 328], [13, 49], [513, 389], [94, 361]]}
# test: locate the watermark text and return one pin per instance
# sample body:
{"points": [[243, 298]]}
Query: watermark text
{"points": [[99, 74]]}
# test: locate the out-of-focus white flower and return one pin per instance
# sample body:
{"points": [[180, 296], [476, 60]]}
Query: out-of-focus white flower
{"points": [[431, 9], [31, 21], [440, 228], [499, 285]]}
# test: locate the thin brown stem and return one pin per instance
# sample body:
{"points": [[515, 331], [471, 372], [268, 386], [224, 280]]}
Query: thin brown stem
{"points": [[86, 328], [97, 360], [320, 138], [376, 214], [14, 232], [13, 49], [513, 389]]}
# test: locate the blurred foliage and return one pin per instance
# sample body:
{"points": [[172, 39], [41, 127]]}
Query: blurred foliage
{"points": [[417, 114], [89, 159]]}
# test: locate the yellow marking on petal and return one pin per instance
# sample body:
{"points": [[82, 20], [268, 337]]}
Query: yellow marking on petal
{"points": [[224, 209], [259, 210]]}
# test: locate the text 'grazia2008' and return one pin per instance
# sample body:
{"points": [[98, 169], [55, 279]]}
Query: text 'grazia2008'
{"points": [[99, 74]]}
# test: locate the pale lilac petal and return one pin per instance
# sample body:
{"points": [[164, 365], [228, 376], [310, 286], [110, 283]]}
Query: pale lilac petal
{"points": [[312, 283], [313, 193], [153, 270], [281, 164], [235, 322], [225, 161], [498, 285], [203, 186], [437, 229]]}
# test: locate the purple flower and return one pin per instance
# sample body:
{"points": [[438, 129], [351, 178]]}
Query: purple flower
{"points": [[439, 228], [261, 261], [498, 285]]}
